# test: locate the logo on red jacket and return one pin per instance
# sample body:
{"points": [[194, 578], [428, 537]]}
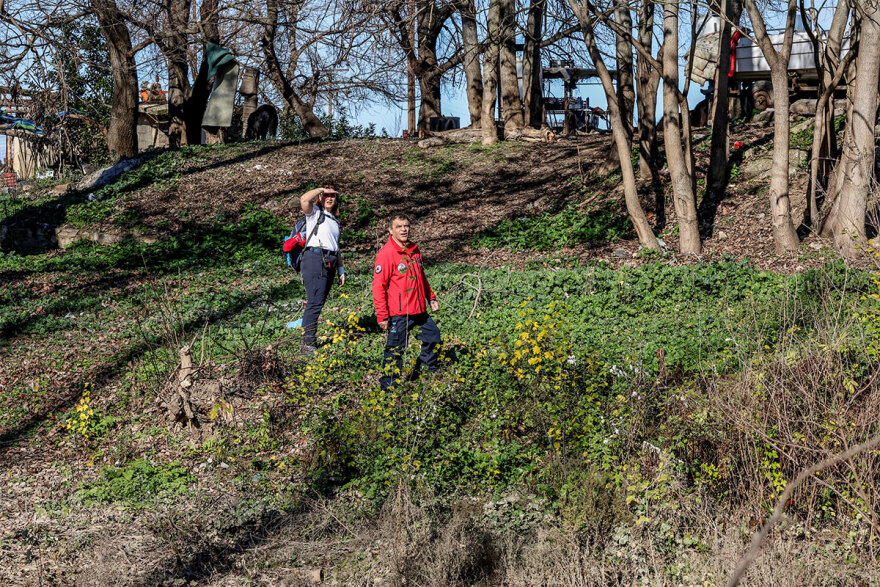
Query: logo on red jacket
{"points": [[401, 267], [378, 269]]}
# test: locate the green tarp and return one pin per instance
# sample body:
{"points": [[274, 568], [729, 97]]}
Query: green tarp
{"points": [[223, 68], [218, 58]]}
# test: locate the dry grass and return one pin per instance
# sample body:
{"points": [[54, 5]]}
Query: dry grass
{"points": [[423, 542]]}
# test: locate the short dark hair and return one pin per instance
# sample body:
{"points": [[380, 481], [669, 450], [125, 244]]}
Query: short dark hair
{"points": [[398, 216], [329, 185]]}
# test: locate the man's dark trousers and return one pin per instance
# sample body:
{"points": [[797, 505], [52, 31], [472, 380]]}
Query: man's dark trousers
{"points": [[318, 271], [398, 334]]}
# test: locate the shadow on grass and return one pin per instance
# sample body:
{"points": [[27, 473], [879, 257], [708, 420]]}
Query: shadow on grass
{"points": [[54, 211], [209, 558], [214, 246], [183, 254]]}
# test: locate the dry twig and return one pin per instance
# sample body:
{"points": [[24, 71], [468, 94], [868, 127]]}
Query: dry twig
{"points": [[760, 535]]}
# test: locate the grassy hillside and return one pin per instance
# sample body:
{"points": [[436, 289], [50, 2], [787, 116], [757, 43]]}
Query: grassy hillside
{"points": [[600, 418]]}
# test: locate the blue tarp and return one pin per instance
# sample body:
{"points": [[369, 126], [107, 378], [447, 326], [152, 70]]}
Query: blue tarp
{"points": [[8, 122]]}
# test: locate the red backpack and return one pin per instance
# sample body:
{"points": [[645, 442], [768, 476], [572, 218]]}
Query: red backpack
{"points": [[295, 244]]}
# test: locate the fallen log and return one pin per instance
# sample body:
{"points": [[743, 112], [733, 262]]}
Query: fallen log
{"points": [[530, 135], [451, 137], [475, 135]]}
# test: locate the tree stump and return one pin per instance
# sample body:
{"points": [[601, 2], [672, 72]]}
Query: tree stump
{"points": [[194, 404]]}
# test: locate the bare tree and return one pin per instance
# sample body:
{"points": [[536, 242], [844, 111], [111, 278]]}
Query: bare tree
{"points": [[679, 170], [173, 43], [490, 72], [626, 94], [676, 126], [428, 61], [636, 213], [532, 106], [716, 177], [470, 42], [511, 105], [830, 71], [648, 82], [846, 222], [197, 97], [169, 25], [39, 56], [785, 237], [281, 77]]}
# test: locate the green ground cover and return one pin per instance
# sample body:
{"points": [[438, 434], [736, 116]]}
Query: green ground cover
{"points": [[614, 405], [602, 331]]}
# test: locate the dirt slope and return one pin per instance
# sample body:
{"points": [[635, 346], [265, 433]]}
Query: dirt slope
{"points": [[457, 192]]}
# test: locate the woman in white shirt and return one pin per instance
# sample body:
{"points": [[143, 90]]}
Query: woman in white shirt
{"points": [[321, 260]]}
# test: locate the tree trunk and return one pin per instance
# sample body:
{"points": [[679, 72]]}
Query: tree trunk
{"points": [[532, 91], [716, 178], [646, 236], [311, 123], [177, 91], [490, 73], [838, 177], [429, 25], [420, 50], [648, 82], [682, 182], [511, 105], [174, 47], [429, 100], [471, 46], [857, 160], [122, 134], [784, 234], [209, 14], [824, 138], [626, 94]]}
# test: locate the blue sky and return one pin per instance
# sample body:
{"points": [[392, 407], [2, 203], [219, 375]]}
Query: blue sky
{"points": [[454, 103]]}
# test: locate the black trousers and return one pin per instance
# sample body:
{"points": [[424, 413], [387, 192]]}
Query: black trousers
{"points": [[398, 335], [318, 271]]}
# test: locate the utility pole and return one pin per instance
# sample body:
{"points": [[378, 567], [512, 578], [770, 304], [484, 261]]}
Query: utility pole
{"points": [[411, 77], [250, 83], [330, 90], [330, 104]]}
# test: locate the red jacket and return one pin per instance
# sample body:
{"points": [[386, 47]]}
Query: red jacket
{"points": [[400, 287]]}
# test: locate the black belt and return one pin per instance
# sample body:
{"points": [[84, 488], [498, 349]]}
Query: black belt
{"points": [[320, 250]]}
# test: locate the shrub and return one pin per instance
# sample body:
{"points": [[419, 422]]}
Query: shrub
{"points": [[83, 421], [500, 413]]}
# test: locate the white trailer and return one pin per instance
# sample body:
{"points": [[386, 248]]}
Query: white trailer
{"points": [[750, 68]]}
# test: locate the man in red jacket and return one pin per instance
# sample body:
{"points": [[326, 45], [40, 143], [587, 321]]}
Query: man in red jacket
{"points": [[400, 294]]}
